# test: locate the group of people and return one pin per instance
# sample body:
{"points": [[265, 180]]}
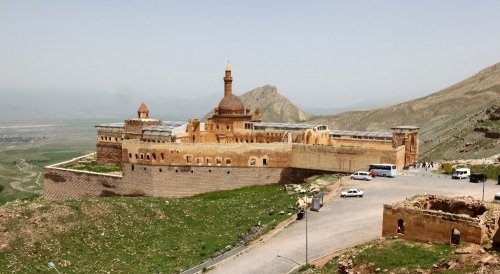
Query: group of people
{"points": [[427, 165]]}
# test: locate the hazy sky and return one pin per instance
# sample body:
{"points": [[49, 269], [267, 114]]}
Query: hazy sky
{"points": [[318, 53]]}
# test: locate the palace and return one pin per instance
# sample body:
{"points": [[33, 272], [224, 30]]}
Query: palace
{"points": [[234, 148]]}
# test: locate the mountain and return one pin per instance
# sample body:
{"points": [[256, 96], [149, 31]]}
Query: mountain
{"points": [[274, 106], [451, 120]]}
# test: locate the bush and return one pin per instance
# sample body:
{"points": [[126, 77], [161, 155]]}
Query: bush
{"points": [[448, 168]]}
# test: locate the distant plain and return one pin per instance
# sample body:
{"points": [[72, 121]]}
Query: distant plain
{"points": [[43, 143]]}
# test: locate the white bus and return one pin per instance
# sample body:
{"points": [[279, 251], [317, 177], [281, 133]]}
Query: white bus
{"points": [[384, 170]]}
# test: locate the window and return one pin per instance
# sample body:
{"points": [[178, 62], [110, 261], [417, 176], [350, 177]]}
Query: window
{"points": [[136, 156], [252, 161], [130, 155], [228, 161], [132, 167], [147, 156], [162, 155], [116, 139], [142, 156], [264, 161], [209, 162], [154, 156], [189, 159], [218, 161], [192, 171]]}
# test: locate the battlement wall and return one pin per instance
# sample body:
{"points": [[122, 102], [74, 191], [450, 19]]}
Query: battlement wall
{"points": [[430, 226]]}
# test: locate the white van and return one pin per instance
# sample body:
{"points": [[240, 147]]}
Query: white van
{"points": [[461, 173]]}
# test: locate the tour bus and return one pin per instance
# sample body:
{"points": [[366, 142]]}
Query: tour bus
{"points": [[384, 170]]}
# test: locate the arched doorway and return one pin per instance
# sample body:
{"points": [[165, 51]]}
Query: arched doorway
{"points": [[401, 226], [455, 236]]}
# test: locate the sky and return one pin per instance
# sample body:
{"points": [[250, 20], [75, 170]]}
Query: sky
{"points": [[321, 54]]}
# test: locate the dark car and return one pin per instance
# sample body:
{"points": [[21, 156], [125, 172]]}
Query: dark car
{"points": [[477, 178]]}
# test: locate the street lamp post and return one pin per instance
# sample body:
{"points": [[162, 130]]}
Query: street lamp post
{"points": [[306, 235], [52, 265], [484, 166]]}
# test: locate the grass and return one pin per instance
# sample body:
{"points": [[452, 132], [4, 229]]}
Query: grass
{"points": [[402, 254], [138, 235], [395, 255], [97, 168], [495, 125]]}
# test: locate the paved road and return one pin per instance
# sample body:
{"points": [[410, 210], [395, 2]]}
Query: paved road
{"points": [[345, 222]]}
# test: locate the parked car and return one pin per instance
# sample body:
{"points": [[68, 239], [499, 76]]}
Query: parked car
{"points": [[353, 192], [361, 175], [497, 196], [373, 173], [477, 178], [461, 173]]}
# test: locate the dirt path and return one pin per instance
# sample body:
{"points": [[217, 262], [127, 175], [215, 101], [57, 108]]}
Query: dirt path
{"points": [[24, 183]]}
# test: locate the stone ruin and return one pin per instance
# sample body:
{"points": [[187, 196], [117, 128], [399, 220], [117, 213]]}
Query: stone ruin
{"points": [[441, 219]]}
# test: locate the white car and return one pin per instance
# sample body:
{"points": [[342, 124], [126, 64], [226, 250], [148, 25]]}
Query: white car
{"points": [[361, 175], [352, 192]]}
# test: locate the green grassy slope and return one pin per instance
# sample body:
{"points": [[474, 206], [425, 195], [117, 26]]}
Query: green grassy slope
{"points": [[134, 235]]}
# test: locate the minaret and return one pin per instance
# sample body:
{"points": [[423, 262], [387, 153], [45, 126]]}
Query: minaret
{"points": [[228, 81]]}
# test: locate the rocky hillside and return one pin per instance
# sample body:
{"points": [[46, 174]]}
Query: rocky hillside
{"points": [[452, 120], [274, 106]]}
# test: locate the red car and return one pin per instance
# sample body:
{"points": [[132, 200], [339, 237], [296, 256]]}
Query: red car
{"points": [[373, 173]]}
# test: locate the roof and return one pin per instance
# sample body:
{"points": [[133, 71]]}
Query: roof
{"points": [[283, 126], [405, 127], [231, 104], [228, 66], [166, 128], [143, 108], [112, 125], [361, 133]]}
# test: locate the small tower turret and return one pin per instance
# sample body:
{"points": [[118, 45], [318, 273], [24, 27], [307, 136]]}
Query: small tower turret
{"points": [[143, 112]]}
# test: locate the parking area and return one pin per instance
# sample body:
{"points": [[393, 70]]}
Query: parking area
{"points": [[344, 222]]}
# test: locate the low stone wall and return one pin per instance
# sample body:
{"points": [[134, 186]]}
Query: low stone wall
{"points": [[433, 226], [66, 184]]}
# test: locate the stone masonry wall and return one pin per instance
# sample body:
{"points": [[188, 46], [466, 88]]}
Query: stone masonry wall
{"points": [[343, 159], [435, 227], [184, 181], [66, 184], [109, 153]]}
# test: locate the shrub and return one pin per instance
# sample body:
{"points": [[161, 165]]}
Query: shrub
{"points": [[448, 168]]}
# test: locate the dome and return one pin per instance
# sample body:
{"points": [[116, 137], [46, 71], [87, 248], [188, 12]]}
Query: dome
{"points": [[231, 104]]}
